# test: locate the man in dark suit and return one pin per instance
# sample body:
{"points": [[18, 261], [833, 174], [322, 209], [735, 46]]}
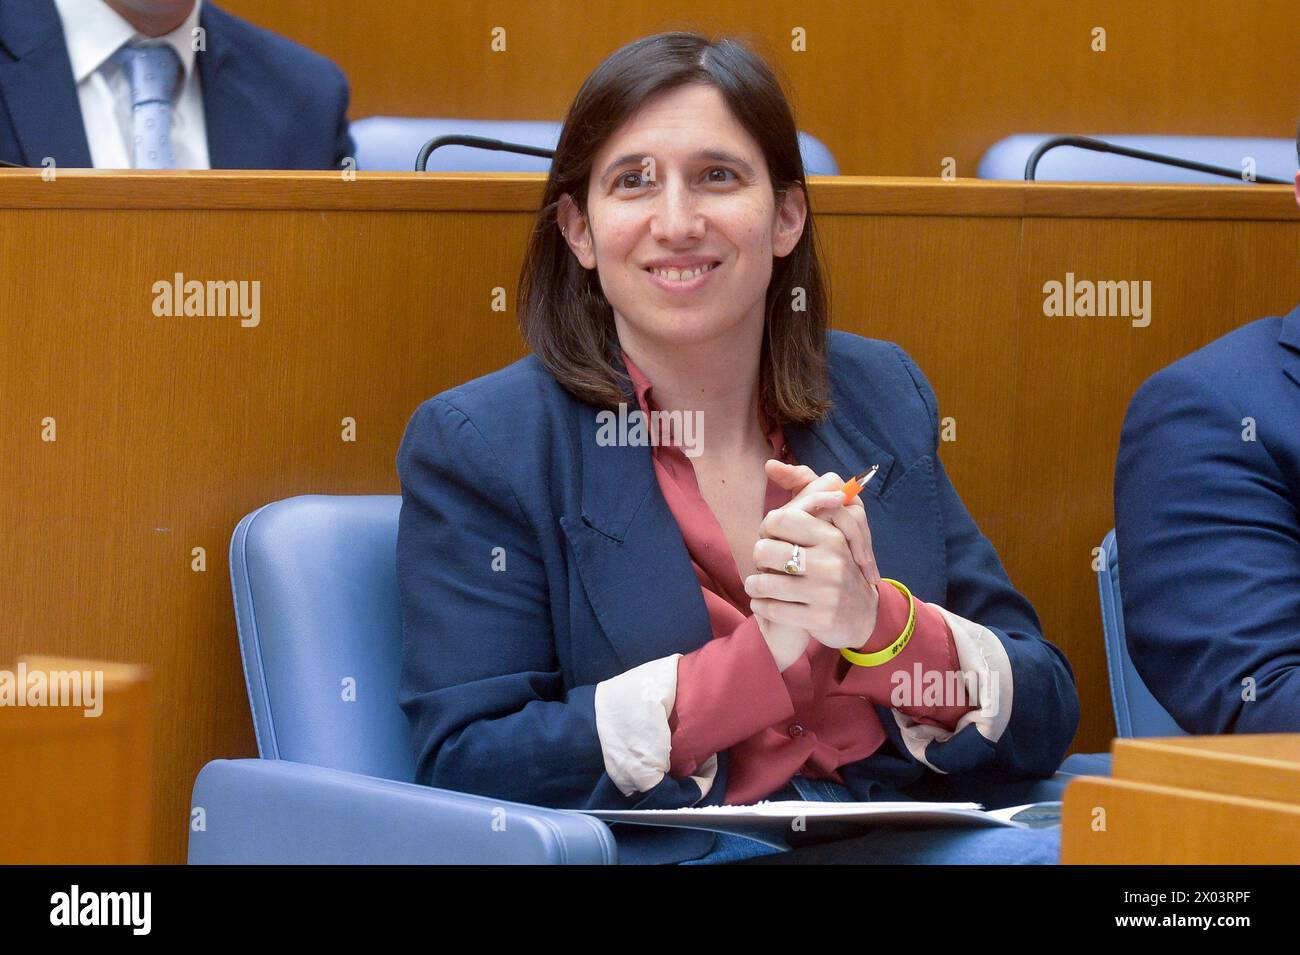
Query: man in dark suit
{"points": [[1207, 522], [203, 88]]}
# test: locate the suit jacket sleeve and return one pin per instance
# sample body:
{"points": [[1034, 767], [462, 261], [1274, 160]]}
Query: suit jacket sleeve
{"points": [[481, 685], [1029, 706], [344, 146], [1206, 526]]}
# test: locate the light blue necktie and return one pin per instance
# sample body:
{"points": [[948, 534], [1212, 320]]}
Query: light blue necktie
{"points": [[153, 70]]}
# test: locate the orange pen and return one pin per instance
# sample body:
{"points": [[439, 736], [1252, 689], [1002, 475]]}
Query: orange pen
{"points": [[854, 485]]}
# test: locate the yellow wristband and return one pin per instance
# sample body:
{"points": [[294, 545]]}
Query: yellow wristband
{"points": [[894, 649]]}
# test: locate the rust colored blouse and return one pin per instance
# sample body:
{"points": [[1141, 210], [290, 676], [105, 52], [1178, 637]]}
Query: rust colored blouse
{"points": [[817, 715]]}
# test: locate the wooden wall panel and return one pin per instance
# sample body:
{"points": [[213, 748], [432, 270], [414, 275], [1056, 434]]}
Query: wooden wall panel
{"points": [[1080, 372], [891, 88], [376, 294]]}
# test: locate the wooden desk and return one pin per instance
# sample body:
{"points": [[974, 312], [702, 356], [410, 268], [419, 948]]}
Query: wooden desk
{"points": [[1205, 800], [78, 784], [377, 293]]}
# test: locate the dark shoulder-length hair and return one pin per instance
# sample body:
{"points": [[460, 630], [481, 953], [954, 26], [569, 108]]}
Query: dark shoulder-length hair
{"points": [[563, 313]]}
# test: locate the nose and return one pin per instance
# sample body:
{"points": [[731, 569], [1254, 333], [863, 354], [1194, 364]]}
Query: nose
{"points": [[676, 217]]}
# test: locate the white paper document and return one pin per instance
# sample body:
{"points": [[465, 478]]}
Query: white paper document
{"points": [[770, 821]]}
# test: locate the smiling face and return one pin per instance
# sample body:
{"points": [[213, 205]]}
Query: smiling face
{"points": [[682, 187]]}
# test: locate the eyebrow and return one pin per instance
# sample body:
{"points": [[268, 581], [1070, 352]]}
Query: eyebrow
{"points": [[712, 155]]}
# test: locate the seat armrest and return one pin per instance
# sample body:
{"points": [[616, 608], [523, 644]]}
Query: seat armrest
{"points": [[1086, 764], [275, 811], [1000, 793]]}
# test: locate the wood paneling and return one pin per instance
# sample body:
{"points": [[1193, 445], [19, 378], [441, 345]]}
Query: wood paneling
{"points": [[891, 88], [376, 294]]}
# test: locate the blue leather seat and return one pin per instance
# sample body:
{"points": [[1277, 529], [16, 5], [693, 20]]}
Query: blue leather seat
{"points": [[1137, 712], [1006, 159], [390, 143], [320, 632]]}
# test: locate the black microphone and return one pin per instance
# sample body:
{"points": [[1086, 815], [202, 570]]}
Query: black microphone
{"points": [[1101, 146], [478, 142], [13, 165]]}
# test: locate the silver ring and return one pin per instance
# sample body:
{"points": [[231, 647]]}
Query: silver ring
{"points": [[795, 565]]}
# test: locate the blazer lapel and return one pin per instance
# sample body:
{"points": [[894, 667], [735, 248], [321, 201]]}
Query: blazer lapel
{"points": [[630, 553], [239, 136], [836, 444], [38, 88]]}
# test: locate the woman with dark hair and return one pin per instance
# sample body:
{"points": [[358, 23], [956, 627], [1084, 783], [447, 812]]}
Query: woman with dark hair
{"points": [[600, 614]]}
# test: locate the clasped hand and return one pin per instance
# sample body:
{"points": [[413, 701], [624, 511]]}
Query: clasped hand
{"points": [[835, 600]]}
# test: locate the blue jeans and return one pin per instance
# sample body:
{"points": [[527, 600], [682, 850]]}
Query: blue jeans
{"points": [[889, 845]]}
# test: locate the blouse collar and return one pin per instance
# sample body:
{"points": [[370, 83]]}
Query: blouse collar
{"points": [[643, 385]]}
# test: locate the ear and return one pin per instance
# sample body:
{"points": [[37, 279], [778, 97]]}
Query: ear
{"points": [[790, 215], [576, 233]]}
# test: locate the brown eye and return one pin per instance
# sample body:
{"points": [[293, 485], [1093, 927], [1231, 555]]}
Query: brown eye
{"points": [[721, 169], [623, 178]]}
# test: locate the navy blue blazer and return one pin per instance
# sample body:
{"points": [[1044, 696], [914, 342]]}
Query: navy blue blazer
{"points": [[268, 103], [1207, 523], [500, 667]]}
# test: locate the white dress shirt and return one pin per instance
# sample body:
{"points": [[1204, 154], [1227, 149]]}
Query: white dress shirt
{"points": [[94, 32]]}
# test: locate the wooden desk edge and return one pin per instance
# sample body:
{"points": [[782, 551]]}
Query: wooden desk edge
{"points": [[522, 192]]}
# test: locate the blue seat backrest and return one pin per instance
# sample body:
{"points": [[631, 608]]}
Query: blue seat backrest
{"points": [[1006, 159], [320, 629], [390, 143], [1137, 712]]}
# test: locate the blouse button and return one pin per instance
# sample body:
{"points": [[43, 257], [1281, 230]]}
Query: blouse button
{"points": [[796, 729]]}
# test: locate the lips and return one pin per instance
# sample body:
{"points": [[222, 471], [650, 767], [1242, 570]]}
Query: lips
{"points": [[682, 285], [689, 265]]}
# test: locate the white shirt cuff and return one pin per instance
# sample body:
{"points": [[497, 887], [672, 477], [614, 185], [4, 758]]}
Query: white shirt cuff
{"points": [[632, 711], [986, 668]]}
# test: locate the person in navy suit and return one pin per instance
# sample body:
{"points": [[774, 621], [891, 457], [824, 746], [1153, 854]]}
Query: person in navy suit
{"points": [[547, 592], [1207, 525], [245, 99]]}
